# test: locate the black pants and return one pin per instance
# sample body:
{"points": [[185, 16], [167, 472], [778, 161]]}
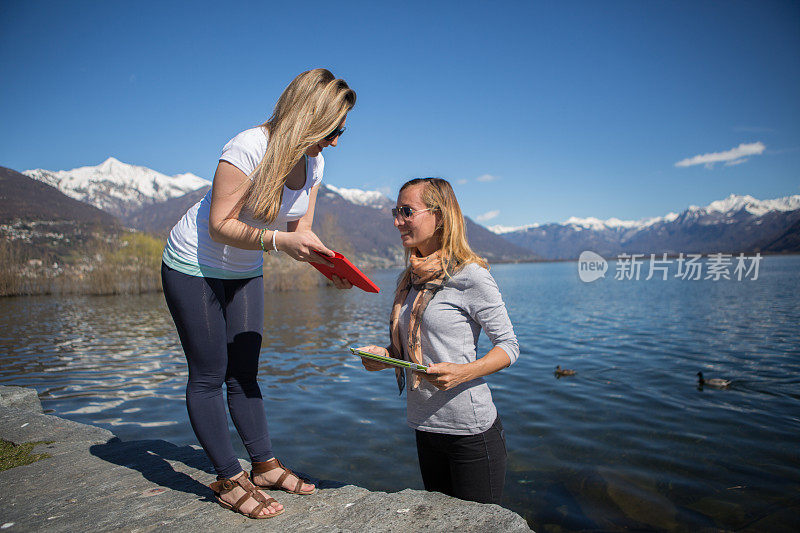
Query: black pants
{"points": [[469, 467], [219, 322]]}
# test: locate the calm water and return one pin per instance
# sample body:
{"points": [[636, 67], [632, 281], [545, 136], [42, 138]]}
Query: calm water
{"points": [[629, 442]]}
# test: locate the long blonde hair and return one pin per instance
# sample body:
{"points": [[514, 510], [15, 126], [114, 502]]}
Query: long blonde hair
{"points": [[451, 232], [311, 107]]}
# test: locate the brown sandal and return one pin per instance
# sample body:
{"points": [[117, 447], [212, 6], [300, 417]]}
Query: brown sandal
{"points": [[261, 467], [227, 484]]}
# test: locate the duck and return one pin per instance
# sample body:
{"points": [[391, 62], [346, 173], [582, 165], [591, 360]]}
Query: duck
{"points": [[714, 382], [561, 372]]}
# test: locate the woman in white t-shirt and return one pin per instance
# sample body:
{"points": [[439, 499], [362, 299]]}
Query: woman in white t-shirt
{"points": [[267, 178]]}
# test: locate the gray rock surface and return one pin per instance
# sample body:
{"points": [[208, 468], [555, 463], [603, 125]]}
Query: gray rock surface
{"points": [[95, 482], [20, 397]]}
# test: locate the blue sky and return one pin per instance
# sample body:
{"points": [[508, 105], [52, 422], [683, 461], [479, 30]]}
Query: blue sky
{"points": [[537, 111]]}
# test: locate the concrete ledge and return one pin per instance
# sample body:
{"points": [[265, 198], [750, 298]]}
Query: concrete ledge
{"points": [[20, 398], [96, 482]]}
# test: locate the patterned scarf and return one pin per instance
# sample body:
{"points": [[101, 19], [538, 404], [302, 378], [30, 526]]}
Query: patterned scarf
{"points": [[427, 276]]}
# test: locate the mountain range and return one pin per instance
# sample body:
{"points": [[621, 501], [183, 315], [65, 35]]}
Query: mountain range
{"points": [[147, 200], [22, 198], [735, 224], [116, 187]]}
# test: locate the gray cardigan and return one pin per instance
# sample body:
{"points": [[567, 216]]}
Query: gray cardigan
{"points": [[451, 324]]}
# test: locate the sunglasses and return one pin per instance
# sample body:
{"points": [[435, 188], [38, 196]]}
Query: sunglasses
{"points": [[406, 212], [335, 133]]}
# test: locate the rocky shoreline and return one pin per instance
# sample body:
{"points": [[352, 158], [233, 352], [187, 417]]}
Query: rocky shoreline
{"points": [[93, 481]]}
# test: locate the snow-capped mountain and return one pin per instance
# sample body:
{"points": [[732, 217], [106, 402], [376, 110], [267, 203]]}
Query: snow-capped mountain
{"points": [[359, 197], [116, 187], [736, 223], [730, 205], [501, 229], [592, 223], [735, 203], [617, 224]]}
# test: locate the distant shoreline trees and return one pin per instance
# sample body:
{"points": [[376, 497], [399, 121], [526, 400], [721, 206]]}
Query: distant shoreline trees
{"points": [[68, 257]]}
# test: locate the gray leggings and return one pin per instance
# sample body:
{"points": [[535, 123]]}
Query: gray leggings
{"points": [[219, 322]]}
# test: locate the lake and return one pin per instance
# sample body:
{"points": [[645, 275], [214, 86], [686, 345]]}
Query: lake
{"points": [[630, 442]]}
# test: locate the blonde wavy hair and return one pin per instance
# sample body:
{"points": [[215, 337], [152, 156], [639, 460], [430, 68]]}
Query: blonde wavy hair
{"points": [[451, 231], [313, 105]]}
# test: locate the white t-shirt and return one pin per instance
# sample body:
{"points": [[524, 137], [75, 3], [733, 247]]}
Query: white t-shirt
{"points": [[189, 247]]}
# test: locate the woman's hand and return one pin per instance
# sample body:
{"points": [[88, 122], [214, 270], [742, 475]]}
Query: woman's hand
{"points": [[445, 376], [341, 283], [371, 365], [301, 245]]}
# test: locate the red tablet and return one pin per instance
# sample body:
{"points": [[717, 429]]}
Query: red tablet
{"points": [[346, 270]]}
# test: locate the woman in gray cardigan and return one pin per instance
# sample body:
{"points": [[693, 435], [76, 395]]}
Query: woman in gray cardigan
{"points": [[444, 298]]}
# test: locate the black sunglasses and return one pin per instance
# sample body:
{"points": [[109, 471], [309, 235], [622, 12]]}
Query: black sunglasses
{"points": [[407, 212], [335, 133]]}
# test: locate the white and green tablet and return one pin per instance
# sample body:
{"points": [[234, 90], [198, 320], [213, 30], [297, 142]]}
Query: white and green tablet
{"points": [[390, 360]]}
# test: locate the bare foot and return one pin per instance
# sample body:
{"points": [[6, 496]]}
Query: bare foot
{"points": [[232, 496], [271, 477]]}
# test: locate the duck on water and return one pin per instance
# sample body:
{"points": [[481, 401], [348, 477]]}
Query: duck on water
{"points": [[562, 372], [717, 383]]}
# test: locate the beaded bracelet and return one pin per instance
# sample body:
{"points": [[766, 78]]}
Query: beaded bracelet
{"points": [[261, 239]]}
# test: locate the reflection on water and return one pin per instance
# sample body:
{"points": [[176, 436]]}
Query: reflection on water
{"points": [[629, 442]]}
